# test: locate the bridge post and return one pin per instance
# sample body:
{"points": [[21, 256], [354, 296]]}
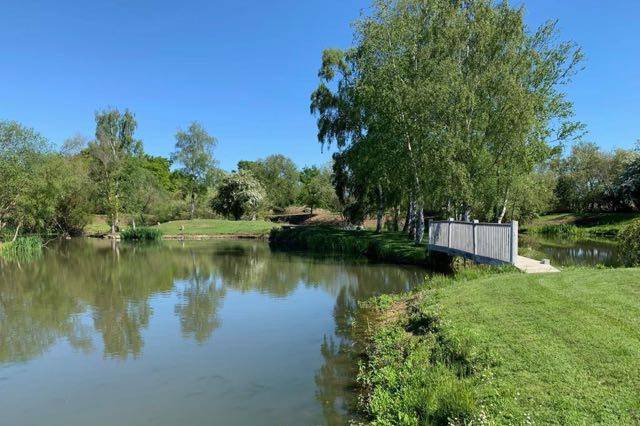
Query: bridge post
{"points": [[475, 239], [449, 233], [514, 241]]}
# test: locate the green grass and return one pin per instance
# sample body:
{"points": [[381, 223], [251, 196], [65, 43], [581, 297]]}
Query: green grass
{"points": [[218, 227], [513, 348], [583, 224], [393, 247], [206, 227], [23, 248]]}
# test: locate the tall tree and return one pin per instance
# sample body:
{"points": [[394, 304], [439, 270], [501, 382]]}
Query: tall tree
{"points": [[194, 151], [114, 145], [22, 151], [456, 98]]}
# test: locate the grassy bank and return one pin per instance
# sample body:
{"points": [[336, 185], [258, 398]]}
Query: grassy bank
{"points": [[507, 348], [23, 248], [392, 247], [257, 228], [587, 224], [199, 227]]}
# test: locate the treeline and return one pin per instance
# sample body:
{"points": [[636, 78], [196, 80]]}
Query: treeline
{"points": [[444, 108], [590, 180], [55, 191]]}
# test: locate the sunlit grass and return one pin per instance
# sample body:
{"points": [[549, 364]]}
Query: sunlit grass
{"points": [[595, 224], [218, 227], [525, 348]]}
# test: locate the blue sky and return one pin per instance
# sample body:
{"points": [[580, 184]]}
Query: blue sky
{"points": [[245, 69]]}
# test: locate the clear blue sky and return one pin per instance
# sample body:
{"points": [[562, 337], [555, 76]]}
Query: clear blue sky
{"points": [[245, 69]]}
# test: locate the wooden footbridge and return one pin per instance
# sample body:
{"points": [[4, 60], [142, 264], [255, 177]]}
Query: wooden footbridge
{"points": [[490, 243]]}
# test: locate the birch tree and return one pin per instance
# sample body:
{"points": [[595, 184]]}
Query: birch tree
{"points": [[194, 152], [114, 145]]}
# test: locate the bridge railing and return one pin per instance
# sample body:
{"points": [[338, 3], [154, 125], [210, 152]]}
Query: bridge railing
{"points": [[482, 242]]}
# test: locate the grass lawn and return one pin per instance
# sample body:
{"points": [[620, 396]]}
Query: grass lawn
{"points": [[596, 224], [559, 348], [204, 227], [218, 227]]}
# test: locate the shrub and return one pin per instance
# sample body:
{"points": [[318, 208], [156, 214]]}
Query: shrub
{"points": [[629, 238], [141, 233]]}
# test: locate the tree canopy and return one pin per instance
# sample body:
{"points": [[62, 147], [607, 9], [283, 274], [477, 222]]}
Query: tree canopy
{"points": [[447, 102], [194, 152]]}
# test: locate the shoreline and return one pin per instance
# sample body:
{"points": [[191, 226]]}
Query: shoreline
{"points": [[194, 237]]}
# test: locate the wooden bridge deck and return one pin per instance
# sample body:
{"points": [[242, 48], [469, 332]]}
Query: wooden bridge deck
{"points": [[532, 266]]}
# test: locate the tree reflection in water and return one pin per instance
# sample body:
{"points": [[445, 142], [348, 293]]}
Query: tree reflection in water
{"points": [[85, 291]]}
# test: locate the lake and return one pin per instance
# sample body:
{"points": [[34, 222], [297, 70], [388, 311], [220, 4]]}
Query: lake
{"points": [[193, 333]]}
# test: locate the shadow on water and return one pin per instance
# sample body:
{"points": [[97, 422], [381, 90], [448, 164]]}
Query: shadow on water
{"points": [[103, 298], [571, 251]]}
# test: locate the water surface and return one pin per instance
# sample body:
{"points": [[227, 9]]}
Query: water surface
{"points": [[195, 333], [572, 251]]}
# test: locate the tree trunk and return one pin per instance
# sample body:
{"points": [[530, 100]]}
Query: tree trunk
{"points": [[15, 235], [419, 224], [466, 213], [504, 208], [192, 211], [412, 217], [407, 219], [396, 218], [380, 212], [133, 223]]}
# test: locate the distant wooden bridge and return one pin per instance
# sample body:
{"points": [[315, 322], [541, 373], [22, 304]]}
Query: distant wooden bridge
{"points": [[489, 243]]}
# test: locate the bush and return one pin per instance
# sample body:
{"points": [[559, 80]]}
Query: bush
{"points": [[23, 248], [629, 238], [141, 233]]}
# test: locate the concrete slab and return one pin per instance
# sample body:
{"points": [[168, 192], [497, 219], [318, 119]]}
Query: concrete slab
{"points": [[532, 266]]}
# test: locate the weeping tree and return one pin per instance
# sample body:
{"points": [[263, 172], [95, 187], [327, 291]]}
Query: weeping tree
{"points": [[457, 100], [194, 152]]}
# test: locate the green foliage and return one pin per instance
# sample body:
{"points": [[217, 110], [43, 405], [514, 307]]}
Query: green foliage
{"points": [[590, 180], [113, 149], [239, 195], [160, 167], [629, 238], [317, 189], [564, 229], [23, 248], [391, 247], [194, 151], [141, 233], [499, 113], [278, 175], [629, 182]]}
